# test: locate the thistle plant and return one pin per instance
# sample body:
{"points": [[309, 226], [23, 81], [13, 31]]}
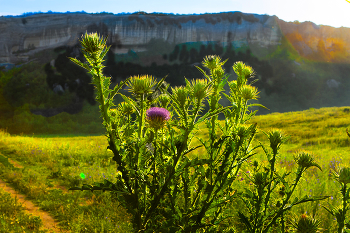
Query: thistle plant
{"points": [[165, 183], [342, 176], [305, 224], [272, 193]]}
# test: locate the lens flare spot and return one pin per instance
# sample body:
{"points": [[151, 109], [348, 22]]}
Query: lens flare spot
{"points": [[82, 175]]}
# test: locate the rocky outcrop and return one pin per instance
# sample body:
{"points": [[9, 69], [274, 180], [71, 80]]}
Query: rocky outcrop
{"points": [[22, 36], [318, 42]]}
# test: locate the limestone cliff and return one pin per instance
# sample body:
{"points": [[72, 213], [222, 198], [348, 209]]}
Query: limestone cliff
{"points": [[21, 37]]}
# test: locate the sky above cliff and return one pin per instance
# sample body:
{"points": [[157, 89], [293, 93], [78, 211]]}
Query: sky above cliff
{"points": [[322, 12]]}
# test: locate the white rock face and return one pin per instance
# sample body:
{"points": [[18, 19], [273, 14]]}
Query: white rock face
{"points": [[23, 36], [19, 38]]}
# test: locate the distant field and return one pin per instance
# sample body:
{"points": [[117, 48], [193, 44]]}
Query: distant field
{"points": [[43, 168]]}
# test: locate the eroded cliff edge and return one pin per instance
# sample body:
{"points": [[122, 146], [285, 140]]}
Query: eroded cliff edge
{"points": [[22, 36]]}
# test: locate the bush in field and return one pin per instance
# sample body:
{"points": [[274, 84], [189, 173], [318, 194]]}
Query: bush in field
{"points": [[150, 134]]}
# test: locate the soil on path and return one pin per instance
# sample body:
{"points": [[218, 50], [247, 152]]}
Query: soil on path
{"points": [[49, 223]]}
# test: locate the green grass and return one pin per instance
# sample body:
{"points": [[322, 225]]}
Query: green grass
{"points": [[55, 162], [52, 164], [14, 219]]}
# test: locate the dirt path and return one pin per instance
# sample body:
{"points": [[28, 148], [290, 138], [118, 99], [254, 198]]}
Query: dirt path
{"points": [[30, 208]]}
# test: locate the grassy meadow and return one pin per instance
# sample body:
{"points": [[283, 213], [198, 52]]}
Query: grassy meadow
{"points": [[43, 168]]}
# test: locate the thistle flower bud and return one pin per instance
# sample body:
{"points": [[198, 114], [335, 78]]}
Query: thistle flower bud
{"points": [[218, 73], [164, 100], [243, 70], [249, 92], [242, 131], [305, 160], [344, 175], [180, 94], [200, 89], [157, 117], [140, 85], [306, 224], [233, 85], [276, 138], [248, 72], [113, 112], [260, 179], [125, 108], [211, 62], [92, 43]]}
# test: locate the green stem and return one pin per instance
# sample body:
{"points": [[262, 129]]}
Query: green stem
{"points": [[117, 157], [212, 193], [243, 112], [155, 157], [137, 165], [289, 194], [156, 199], [239, 110], [104, 109], [99, 77], [213, 107], [141, 117], [343, 211], [272, 169], [257, 216]]}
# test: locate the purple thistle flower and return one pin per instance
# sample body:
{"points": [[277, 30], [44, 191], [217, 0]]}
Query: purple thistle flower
{"points": [[157, 117]]}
